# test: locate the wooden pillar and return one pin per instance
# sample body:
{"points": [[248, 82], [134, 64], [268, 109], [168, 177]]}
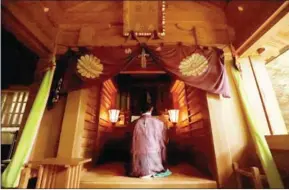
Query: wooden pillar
{"points": [[223, 159], [237, 175], [267, 95], [260, 143], [33, 89], [118, 106], [230, 134], [73, 123], [252, 91], [24, 178], [10, 177]]}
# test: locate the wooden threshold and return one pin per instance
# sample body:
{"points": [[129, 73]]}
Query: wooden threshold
{"points": [[112, 175]]}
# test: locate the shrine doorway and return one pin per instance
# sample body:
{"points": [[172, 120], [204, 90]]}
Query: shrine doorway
{"points": [[190, 151]]}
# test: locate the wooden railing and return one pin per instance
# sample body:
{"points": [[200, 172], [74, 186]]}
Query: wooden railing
{"points": [[253, 174], [53, 173]]}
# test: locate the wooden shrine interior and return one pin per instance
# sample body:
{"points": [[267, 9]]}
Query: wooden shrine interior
{"points": [[192, 141], [199, 141], [92, 23]]}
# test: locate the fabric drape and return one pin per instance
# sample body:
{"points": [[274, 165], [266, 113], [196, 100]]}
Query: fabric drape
{"points": [[112, 59], [11, 175], [202, 68]]}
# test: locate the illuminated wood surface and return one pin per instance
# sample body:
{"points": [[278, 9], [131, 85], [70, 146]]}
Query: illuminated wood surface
{"points": [[112, 175]]}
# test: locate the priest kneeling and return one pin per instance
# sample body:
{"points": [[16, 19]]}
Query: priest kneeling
{"points": [[149, 146]]}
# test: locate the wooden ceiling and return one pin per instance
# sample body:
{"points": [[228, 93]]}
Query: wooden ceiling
{"points": [[39, 24], [275, 41], [254, 14], [93, 23]]}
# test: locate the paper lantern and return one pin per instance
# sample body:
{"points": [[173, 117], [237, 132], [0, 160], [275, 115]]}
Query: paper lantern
{"points": [[174, 115], [113, 115]]}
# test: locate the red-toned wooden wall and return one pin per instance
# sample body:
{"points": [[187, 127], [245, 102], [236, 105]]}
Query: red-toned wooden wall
{"points": [[99, 99], [193, 129], [89, 134], [107, 101]]}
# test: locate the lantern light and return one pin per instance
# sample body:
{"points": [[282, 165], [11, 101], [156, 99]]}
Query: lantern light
{"points": [[45, 9], [174, 115], [240, 8], [113, 115]]}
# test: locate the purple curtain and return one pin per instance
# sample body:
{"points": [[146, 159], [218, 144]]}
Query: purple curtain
{"points": [[112, 60], [202, 68]]}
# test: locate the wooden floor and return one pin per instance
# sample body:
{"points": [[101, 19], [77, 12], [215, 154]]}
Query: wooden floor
{"points": [[111, 175]]}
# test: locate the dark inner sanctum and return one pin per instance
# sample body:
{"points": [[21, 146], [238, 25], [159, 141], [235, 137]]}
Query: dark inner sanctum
{"points": [[164, 93], [133, 92], [145, 89]]}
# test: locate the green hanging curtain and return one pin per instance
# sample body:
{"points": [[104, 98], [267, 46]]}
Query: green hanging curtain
{"points": [[11, 175], [260, 142]]}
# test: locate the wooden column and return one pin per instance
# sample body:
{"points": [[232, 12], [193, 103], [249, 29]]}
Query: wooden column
{"points": [[252, 91], [25, 174], [261, 146], [33, 89], [231, 138], [223, 158], [268, 97], [73, 123]]}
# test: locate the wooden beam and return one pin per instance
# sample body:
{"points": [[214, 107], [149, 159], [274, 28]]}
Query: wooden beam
{"points": [[55, 13], [274, 41], [30, 26], [217, 36], [22, 34], [278, 142], [142, 72], [86, 35], [267, 25], [77, 6], [135, 67]]}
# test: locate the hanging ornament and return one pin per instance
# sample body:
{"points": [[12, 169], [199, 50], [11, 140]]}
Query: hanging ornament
{"points": [[89, 66], [57, 91], [127, 51], [143, 56], [194, 65]]}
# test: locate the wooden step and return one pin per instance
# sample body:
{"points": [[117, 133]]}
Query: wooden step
{"points": [[112, 175]]}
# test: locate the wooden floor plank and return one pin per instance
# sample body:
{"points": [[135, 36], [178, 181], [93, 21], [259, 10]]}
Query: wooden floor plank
{"points": [[112, 175]]}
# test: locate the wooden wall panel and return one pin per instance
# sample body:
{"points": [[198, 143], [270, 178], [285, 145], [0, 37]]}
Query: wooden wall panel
{"points": [[107, 101], [47, 140], [72, 125], [230, 134], [248, 21], [89, 134], [192, 136], [180, 102]]}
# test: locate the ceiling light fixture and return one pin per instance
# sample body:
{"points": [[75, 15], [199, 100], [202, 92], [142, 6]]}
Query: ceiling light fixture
{"points": [[240, 8], [260, 50], [45, 9]]}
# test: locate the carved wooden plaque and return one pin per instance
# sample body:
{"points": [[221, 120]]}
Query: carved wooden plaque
{"points": [[144, 17]]}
